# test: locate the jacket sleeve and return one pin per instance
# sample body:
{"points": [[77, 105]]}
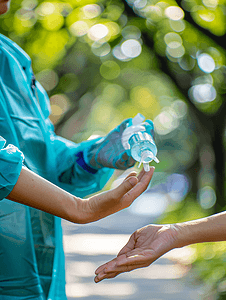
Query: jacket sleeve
{"points": [[11, 160], [73, 174]]}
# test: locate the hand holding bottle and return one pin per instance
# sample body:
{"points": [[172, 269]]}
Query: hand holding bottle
{"points": [[109, 150], [140, 142]]}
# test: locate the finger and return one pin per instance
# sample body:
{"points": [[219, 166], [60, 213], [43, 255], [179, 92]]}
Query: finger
{"points": [[110, 264], [124, 187], [103, 276], [123, 263], [134, 259], [145, 176], [129, 246], [133, 173], [110, 202], [113, 273], [101, 268], [108, 270], [141, 174], [138, 189], [149, 126]]}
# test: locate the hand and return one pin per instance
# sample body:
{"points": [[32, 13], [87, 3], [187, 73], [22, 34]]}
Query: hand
{"points": [[109, 151], [143, 248], [107, 203]]}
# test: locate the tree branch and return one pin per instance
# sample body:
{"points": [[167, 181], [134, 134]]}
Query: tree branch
{"points": [[219, 40], [211, 127]]}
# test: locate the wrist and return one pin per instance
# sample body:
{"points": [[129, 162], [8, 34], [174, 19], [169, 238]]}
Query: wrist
{"points": [[77, 210], [90, 154], [182, 234], [175, 232], [192, 232], [84, 164]]}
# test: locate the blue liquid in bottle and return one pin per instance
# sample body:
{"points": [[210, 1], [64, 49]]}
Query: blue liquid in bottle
{"points": [[143, 148], [140, 143]]}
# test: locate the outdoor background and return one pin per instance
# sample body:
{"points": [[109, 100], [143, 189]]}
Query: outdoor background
{"points": [[104, 61]]}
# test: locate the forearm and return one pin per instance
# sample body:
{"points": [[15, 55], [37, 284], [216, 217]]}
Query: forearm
{"points": [[209, 229], [35, 191]]}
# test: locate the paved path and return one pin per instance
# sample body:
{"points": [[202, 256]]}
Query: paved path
{"points": [[88, 246]]}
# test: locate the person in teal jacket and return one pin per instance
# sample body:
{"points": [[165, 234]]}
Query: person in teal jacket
{"points": [[43, 177]]}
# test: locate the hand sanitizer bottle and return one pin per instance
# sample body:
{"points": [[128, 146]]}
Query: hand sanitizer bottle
{"points": [[140, 143]]}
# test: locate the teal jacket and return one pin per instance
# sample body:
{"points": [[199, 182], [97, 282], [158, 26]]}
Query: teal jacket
{"points": [[31, 248]]}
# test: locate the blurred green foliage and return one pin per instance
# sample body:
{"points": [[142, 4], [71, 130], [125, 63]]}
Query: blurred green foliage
{"points": [[102, 61]]}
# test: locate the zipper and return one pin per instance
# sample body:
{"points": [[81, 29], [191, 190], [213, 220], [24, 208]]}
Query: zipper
{"points": [[34, 88]]}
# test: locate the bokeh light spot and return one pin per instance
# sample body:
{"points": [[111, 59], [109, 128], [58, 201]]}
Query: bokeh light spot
{"points": [[91, 11], [56, 110], [176, 52], [210, 3], [69, 82], [207, 197], [131, 48], [187, 62], [206, 63], [143, 97], [180, 108], [79, 28], [113, 28], [48, 79], [153, 12], [110, 70], [177, 25], [29, 4], [98, 32], [114, 12], [173, 40], [59, 105], [131, 32], [174, 13], [53, 22], [217, 56], [100, 49], [202, 93], [166, 122], [139, 4], [117, 52], [46, 8], [206, 15]]}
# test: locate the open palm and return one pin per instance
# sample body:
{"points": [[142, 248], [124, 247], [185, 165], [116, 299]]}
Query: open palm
{"points": [[144, 246]]}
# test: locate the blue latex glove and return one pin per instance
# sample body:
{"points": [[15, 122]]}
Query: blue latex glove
{"points": [[109, 151]]}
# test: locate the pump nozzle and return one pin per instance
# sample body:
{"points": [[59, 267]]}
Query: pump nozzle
{"points": [[138, 119], [146, 157], [156, 159]]}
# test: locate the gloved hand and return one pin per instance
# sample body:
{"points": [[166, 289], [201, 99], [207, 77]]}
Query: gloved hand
{"points": [[109, 151]]}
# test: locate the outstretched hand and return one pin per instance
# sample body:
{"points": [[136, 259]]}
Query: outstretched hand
{"points": [[107, 203], [143, 248]]}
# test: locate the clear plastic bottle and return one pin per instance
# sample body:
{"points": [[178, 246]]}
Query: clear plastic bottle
{"points": [[141, 144]]}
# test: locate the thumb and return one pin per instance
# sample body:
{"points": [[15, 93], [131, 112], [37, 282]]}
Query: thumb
{"points": [[129, 246]]}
